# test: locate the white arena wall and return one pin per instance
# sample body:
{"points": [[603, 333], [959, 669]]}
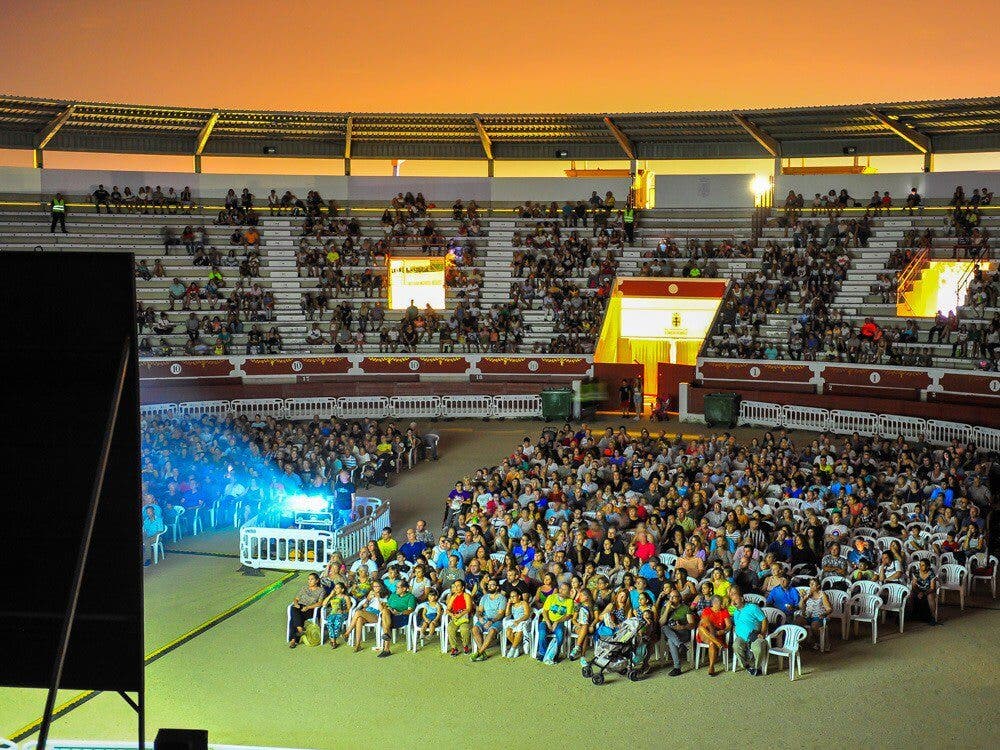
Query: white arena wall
{"points": [[26, 181]]}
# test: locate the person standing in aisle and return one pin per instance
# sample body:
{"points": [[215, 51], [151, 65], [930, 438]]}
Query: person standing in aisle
{"points": [[58, 208], [628, 217], [638, 398]]}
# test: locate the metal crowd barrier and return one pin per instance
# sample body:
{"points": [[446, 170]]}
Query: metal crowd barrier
{"points": [[844, 422], [761, 413], [286, 549], [361, 407], [525, 406], [519, 406], [307, 408], [309, 549], [459, 407], [805, 418], [415, 407], [865, 423]]}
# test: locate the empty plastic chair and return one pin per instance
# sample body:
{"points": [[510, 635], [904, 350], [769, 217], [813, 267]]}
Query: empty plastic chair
{"points": [[784, 643]]}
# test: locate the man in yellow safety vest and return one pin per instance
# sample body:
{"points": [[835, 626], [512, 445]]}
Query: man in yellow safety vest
{"points": [[58, 208]]}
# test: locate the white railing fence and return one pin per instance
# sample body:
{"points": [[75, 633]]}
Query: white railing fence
{"points": [[310, 549], [519, 406], [842, 422]]}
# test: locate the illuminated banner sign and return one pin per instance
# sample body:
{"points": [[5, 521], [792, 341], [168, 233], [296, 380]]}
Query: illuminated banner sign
{"points": [[419, 281]]}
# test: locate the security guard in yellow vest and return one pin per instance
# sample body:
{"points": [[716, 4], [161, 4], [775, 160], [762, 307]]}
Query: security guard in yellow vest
{"points": [[58, 208], [628, 217]]}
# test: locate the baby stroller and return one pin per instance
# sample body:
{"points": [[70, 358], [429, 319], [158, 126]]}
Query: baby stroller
{"points": [[624, 652]]}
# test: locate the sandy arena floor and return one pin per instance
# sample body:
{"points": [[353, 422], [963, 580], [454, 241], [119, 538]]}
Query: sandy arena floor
{"points": [[936, 687]]}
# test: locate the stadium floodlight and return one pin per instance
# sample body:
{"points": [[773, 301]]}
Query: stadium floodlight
{"points": [[759, 185]]}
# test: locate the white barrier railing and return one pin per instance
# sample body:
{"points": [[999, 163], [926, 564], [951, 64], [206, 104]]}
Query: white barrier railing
{"points": [[415, 407], [309, 549], [461, 407], [911, 428], [158, 410], [865, 423], [286, 549], [360, 407], [942, 433], [524, 406], [760, 413], [307, 408], [265, 407], [845, 422], [515, 406], [987, 438], [197, 408], [354, 536], [805, 417]]}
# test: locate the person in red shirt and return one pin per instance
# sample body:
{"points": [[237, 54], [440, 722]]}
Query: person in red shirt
{"points": [[644, 546], [714, 629]]}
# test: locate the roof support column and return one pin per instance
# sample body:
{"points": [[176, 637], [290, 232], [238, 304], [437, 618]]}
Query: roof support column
{"points": [[348, 135], [48, 133], [928, 161], [908, 133], [624, 142], [764, 140], [197, 163]]}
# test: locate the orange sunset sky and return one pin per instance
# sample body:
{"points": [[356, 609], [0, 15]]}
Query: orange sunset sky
{"points": [[555, 55]]}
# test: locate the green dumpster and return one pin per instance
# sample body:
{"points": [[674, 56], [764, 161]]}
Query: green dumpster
{"points": [[557, 403], [722, 409]]}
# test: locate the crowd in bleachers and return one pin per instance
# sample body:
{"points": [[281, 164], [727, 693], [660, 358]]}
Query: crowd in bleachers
{"points": [[711, 544], [207, 470]]}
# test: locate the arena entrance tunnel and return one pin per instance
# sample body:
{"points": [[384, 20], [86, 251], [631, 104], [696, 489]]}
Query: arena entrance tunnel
{"points": [[654, 327]]}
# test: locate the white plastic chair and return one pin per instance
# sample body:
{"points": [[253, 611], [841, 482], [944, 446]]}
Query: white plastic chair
{"points": [[832, 582], [316, 617], [754, 599], [838, 611], [775, 617], [870, 588], [196, 525], [176, 531], [415, 638], [697, 646], [866, 608], [669, 560], [894, 597], [498, 556], [884, 542], [952, 577], [924, 554], [803, 592], [157, 548], [526, 641], [981, 561], [563, 649], [784, 643], [213, 513], [375, 627]]}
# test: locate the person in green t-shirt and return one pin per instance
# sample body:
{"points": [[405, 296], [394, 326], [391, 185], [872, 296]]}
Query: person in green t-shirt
{"points": [[676, 623], [396, 613], [557, 610]]}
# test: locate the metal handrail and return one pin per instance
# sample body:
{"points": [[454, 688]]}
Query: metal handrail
{"points": [[918, 264]]}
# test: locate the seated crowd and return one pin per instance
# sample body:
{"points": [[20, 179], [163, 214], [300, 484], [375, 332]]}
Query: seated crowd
{"points": [[575, 533], [242, 467]]}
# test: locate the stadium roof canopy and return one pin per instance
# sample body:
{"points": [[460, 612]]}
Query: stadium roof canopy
{"points": [[944, 126]]}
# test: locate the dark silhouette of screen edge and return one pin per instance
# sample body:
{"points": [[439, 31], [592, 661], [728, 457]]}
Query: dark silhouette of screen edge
{"points": [[63, 320]]}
